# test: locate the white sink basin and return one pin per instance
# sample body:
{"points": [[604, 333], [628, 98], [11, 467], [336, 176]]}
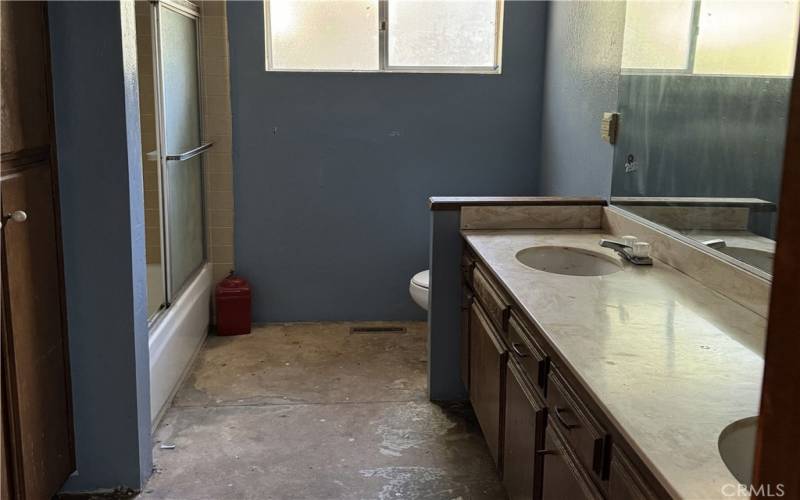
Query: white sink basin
{"points": [[568, 260], [756, 258], [737, 444]]}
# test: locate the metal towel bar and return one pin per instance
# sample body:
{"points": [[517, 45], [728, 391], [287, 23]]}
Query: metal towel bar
{"points": [[191, 153]]}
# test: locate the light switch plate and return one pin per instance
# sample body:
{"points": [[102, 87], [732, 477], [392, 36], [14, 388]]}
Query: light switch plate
{"points": [[608, 127]]}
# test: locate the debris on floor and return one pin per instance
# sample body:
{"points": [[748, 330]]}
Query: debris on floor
{"points": [[346, 417]]}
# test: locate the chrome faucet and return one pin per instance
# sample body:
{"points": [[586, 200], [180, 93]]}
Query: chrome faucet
{"points": [[716, 244], [626, 252]]}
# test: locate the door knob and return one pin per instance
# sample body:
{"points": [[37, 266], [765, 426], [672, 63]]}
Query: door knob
{"points": [[16, 216]]}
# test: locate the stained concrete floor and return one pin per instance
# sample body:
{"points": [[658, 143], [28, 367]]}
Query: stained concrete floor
{"points": [[311, 411]]}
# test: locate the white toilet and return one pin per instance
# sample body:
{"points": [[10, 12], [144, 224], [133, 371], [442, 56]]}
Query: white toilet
{"points": [[419, 288]]}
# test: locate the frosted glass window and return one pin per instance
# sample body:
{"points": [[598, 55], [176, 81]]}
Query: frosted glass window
{"points": [[323, 35], [443, 33], [657, 35], [747, 38], [444, 36], [717, 37]]}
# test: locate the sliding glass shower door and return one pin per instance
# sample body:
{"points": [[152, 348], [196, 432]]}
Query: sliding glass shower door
{"points": [[180, 150]]}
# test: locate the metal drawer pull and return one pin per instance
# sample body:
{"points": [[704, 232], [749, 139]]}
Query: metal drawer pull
{"points": [[544, 367], [561, 420], [546, 452], [517, 351]]}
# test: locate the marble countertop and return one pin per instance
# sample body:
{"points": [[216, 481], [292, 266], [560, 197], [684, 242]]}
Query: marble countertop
{"points": [[671, 361]]}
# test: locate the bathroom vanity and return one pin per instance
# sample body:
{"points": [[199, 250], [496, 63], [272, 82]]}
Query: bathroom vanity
{"points": [[592, 377]]}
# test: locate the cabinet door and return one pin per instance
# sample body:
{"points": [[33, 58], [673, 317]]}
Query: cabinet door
{"points": [[466, 303], [486, 379], [524, 423], [562, 477], [625, 483], [37, 431]]}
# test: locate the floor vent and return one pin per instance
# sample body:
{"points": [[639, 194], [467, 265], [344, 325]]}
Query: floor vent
{"points": [[378, 329]]}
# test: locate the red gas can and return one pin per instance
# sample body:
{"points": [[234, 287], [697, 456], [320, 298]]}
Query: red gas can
{"points": [[232, 297]]}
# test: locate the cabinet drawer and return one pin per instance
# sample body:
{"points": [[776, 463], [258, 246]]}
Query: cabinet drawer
{"points": [[562, 477], [528, 354], [497, 308], [579, 428]]}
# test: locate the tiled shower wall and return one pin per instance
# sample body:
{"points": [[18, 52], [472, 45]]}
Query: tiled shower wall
{"points": [[147, 118], [217, 128]]}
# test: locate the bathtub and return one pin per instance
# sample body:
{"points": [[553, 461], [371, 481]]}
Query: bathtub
{"points": [[175, 339]]}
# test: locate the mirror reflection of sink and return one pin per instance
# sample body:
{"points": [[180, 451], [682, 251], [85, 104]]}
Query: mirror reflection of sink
{"points": [[737, 443], [568, 260], [756, 258]]}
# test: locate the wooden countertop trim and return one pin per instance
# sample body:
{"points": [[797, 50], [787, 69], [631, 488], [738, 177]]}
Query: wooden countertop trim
{"points": [[691, 202], [456, 202]]}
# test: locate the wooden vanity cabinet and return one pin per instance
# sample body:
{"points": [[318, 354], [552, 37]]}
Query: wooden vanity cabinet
{"points": [[625, 482], [467, 299], [548, 441], [495, 305], [587, 439], [524, 435], [468, 263], [527, 352], [487, 364], [562, 476]]}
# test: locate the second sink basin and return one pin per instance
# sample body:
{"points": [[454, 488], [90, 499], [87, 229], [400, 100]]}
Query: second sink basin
{"points": [[568, 260], [737, 444]]}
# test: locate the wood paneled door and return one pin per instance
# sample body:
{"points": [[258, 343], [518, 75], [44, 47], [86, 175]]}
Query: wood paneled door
{"points": [[37, 438], [778, 438]]}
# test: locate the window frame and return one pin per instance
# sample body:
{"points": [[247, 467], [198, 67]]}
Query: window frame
{"points": [[383, 49]]}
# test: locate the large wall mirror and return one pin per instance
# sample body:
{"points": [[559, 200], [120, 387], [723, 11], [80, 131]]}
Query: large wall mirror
{"points": [[704, 99]]}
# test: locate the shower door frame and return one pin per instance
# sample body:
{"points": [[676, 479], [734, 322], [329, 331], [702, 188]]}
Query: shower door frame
{"points": [[192, 11]]}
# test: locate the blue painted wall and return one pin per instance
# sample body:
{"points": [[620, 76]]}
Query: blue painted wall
{"points": [[445, 302], [332, 171], [96, 108], [584, 52]]}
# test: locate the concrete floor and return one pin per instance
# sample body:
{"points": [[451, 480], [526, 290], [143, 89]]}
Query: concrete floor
{"points": [[311, 411]]}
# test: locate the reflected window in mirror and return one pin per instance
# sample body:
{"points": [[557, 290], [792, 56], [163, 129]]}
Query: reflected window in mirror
{"points": [[703, 103], [711, 37]]}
